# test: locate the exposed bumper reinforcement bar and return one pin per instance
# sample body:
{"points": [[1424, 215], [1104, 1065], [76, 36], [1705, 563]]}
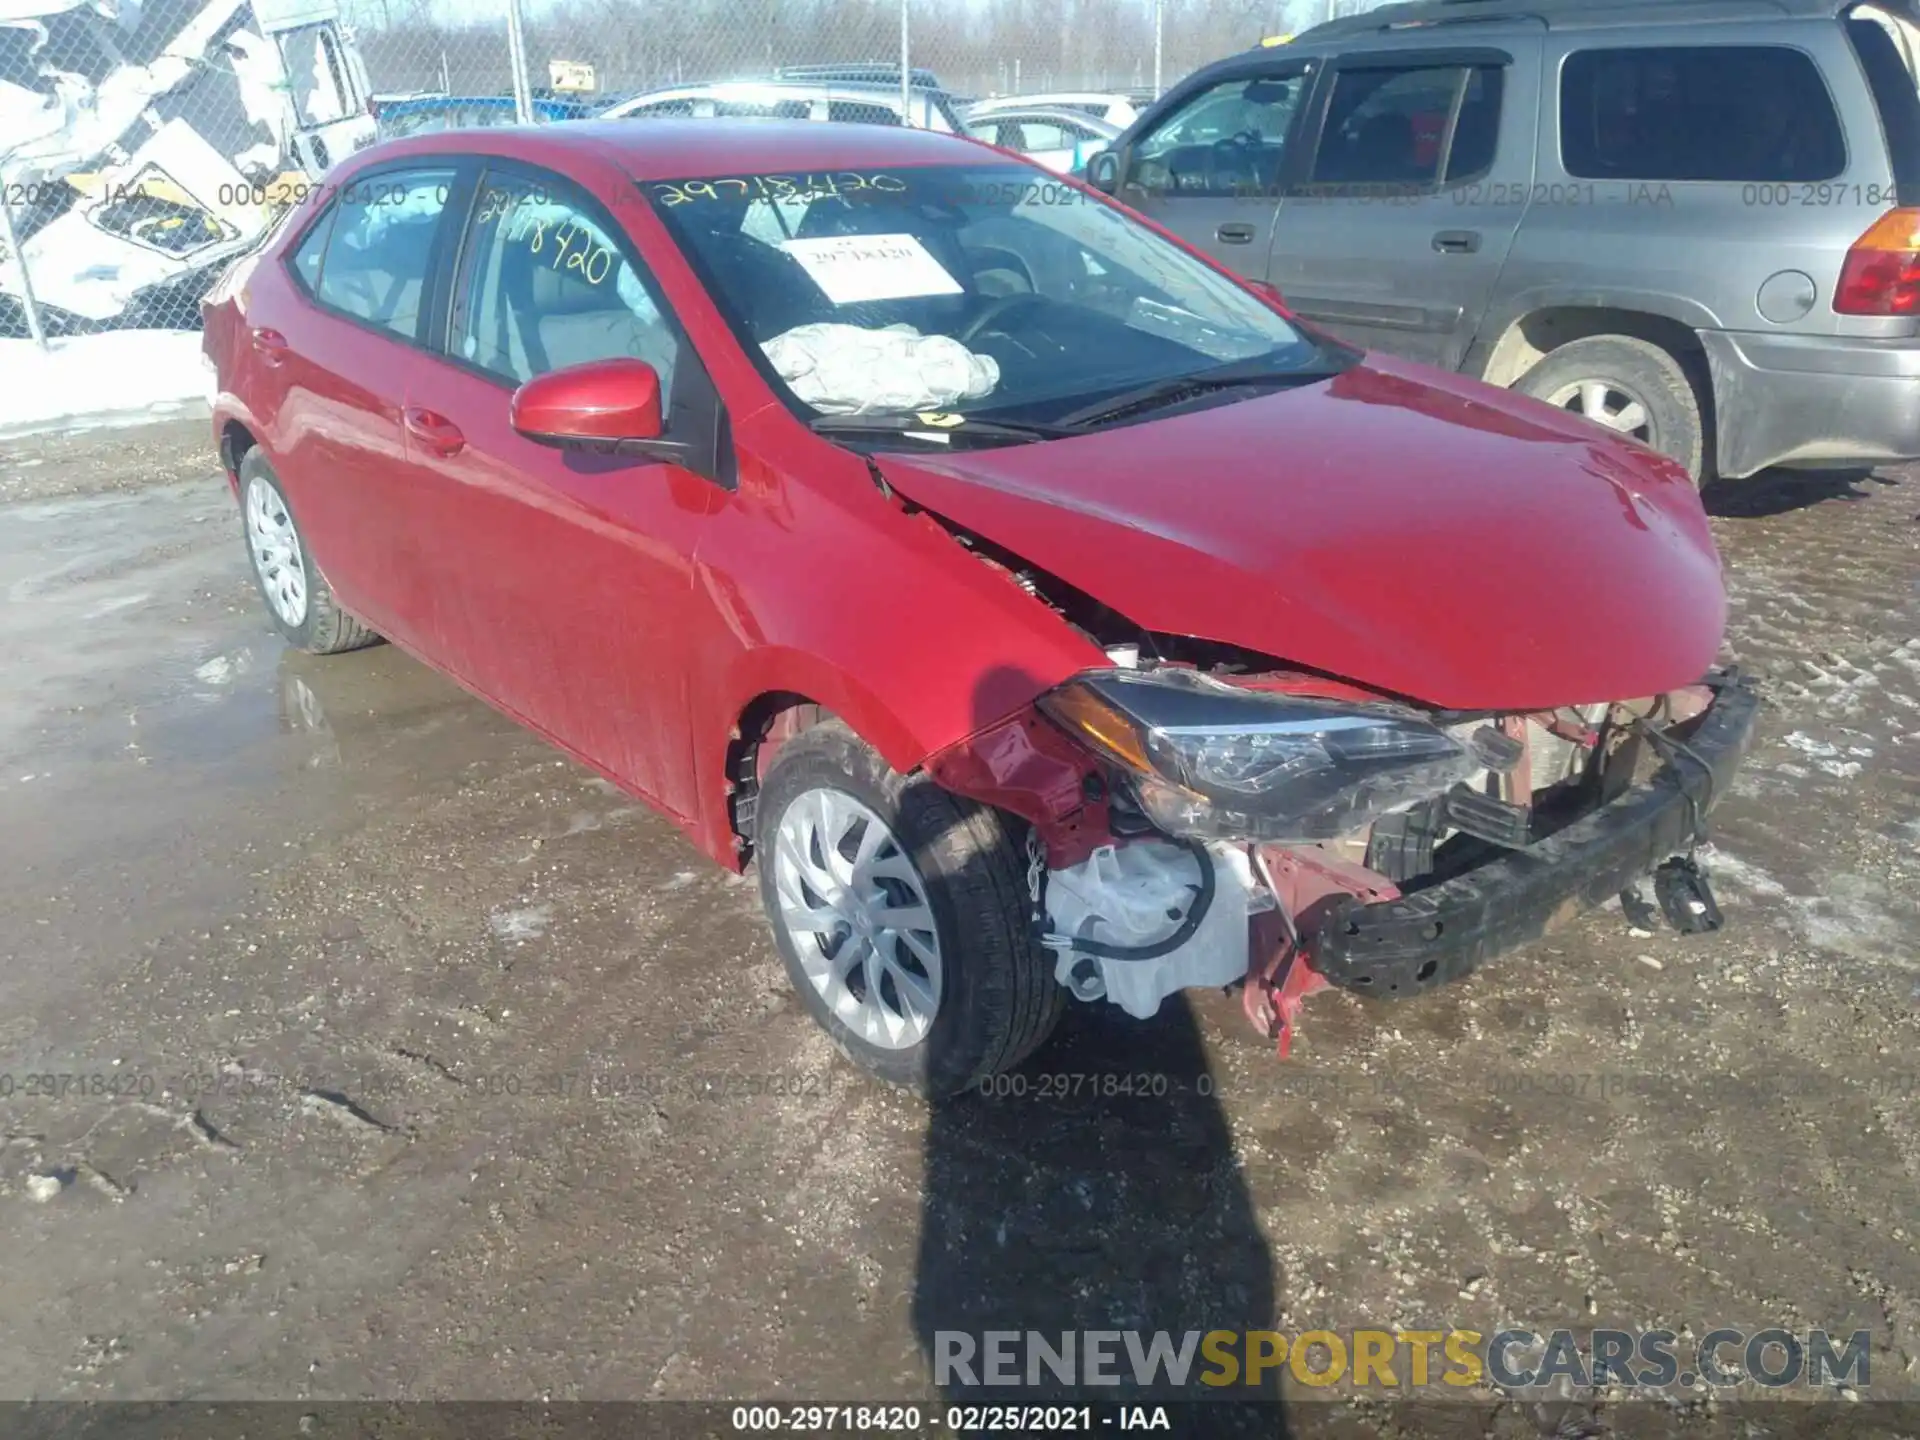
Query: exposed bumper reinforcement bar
{"points": [[1404, 946]]}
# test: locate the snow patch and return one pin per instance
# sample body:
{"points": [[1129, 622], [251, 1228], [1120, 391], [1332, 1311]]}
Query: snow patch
{"points": [[117, 376], [526, 923], [1807, 745]]}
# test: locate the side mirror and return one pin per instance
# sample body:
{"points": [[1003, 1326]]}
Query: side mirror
{"points": [[1267, 290], [1103, 172], [607, 405]]}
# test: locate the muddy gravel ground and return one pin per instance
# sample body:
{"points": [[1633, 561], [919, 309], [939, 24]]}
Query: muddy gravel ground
{"points": [[406, 1059]]}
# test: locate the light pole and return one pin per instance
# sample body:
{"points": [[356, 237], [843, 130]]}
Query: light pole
{"points": [[1159, 48], [517, 57], [27, 302], [906, 72]]}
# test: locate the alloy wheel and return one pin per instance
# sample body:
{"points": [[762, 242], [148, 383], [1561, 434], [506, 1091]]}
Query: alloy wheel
{"points": [[856, 911], [1608, 403]]}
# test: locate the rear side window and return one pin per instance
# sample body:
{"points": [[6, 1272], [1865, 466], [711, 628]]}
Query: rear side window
{"points": [[856, 112], [1390, 126], [765, 110], [379, 248], [1705, 112], [662, 107]]}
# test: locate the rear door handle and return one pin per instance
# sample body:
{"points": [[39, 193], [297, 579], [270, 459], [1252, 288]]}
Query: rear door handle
{"points": [[270, 345], [1234, 232], [439, 435], [1456, 242]]}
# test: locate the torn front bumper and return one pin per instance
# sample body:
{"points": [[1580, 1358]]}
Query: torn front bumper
{"points": [[1403, 946]]}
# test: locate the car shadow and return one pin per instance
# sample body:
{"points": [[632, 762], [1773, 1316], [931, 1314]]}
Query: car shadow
{"points": [[1095, 1188], [1775, 492]]}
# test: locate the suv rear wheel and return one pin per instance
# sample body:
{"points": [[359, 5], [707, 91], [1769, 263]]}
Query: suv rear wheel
{"points": [[901, 911], [1630, 386]]}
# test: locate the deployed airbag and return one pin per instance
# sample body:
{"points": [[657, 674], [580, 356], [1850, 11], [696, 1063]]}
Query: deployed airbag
{"points": [[848, 370]]}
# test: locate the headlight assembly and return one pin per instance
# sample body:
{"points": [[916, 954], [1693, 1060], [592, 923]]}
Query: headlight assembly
{"points": [[1216, 762]]}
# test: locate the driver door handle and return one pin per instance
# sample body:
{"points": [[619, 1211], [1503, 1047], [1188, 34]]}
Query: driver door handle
{"points": [[1234, 232], [437, 434], [1456, 242]]}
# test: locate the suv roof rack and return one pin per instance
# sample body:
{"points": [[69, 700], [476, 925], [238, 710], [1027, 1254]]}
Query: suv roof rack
{"points": [[1562, 14]]}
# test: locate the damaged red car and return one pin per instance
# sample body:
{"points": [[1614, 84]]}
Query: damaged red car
{"points": [[1045, 613]]}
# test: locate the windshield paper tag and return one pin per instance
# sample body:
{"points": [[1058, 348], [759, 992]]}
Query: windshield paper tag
{"points": [[853, 268]]}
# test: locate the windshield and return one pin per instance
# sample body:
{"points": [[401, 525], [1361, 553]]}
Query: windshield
{"points": [[986, 291]]}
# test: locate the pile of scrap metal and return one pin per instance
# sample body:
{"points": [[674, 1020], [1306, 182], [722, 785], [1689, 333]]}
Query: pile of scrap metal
{"points": [[144, 143]]}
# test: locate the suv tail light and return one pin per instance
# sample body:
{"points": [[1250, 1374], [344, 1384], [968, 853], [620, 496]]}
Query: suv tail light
{"points": [[1881, 275]]}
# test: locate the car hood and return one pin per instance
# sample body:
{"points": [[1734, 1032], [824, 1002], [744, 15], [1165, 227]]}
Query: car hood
{"points": [[1396, 526]]}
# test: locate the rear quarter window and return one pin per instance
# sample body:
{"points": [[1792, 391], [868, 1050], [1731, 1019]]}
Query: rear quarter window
{"points": [[1894, 98], [1700, 112]]}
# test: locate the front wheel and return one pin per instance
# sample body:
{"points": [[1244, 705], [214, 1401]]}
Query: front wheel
{"points": [[901, 911], [1629, 386]]}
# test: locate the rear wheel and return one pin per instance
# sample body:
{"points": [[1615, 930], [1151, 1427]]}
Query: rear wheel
{"points": [[901, 912], [1629, 386], [298, 598]]}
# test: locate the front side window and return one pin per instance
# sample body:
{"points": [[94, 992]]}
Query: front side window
{"points": [[1389, 126], [979, 287], [379, 248], [1699, 112], [1229, 139], [545, 286], [1028, 136]]}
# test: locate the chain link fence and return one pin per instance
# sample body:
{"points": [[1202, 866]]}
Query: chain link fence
{"points": [[143, 143]]}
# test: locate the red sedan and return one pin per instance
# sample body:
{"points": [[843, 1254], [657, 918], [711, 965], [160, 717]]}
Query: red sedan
{"points": [[1045, 612]]}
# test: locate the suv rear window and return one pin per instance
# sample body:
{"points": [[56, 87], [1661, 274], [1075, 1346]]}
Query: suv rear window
{"points": [[1894, 97], [1703, 112]]}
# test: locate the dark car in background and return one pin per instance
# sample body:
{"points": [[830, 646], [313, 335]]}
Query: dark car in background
{"points": [[1697, 225]]}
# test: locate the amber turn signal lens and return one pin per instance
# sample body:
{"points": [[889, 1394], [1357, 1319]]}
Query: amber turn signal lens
{"points": [[1111, 733]]}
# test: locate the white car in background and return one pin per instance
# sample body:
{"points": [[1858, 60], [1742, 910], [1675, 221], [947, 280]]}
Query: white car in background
{"points": [[1060, 139], [843, 102], [1117, 107]]}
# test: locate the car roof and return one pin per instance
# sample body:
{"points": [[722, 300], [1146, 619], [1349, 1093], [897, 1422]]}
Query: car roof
{"points": [[673, 147], [1560, 15]]}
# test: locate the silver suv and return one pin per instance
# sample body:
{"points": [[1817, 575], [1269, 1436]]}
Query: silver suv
{"points": [[1698, 224]]}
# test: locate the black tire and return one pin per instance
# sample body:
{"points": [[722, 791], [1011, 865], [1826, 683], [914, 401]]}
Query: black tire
{"points": [[999, 1000], [324, 628], [1640, 371]]}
